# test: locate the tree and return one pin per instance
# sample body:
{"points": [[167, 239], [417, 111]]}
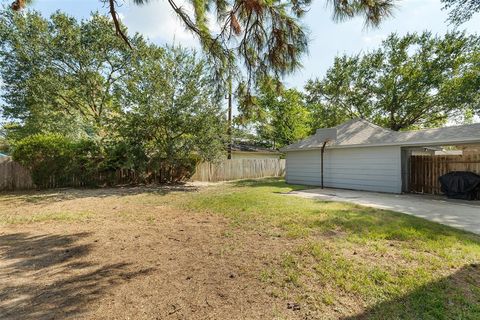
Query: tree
{"points": [[282, 117], [263, 37], [461, 10], [61, 75], [4, 146], [152, 109], [414, 81], [171, 115], [328, 108]]}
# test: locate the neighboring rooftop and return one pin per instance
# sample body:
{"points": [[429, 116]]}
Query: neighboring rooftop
{"points": [[241, 147], [362, 133]]}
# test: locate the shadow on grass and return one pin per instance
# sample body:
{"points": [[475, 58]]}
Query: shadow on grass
{"points": [[53, 195], [43, 277], [31, 253], [454, 297]]}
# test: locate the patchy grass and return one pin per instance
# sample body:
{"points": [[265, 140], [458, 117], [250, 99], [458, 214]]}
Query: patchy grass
{"points": [[336, 260], [351, 255], [7, 219]]}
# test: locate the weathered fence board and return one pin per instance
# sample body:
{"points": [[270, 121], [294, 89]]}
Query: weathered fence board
{"points": [[13, 176], [239, 169], [425, 170]]}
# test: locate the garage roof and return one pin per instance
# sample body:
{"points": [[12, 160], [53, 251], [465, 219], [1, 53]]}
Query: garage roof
{"points": [[361, 133]]}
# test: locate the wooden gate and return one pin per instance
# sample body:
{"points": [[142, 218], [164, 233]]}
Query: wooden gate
{"points": [[425, 170]]}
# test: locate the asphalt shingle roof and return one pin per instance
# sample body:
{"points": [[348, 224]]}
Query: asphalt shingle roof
{"points": [[361, 133]]}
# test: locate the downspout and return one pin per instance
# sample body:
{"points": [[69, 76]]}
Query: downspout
{"points": [[321, 156]]}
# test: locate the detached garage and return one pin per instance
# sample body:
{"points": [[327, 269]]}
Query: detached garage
{"points": [[362, 156]]}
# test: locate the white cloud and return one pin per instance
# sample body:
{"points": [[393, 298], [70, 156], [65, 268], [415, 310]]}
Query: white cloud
{"points": [[157, 22]]}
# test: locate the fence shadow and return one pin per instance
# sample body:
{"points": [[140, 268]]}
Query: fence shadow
{"points": [[44, 277], [453, 297]]}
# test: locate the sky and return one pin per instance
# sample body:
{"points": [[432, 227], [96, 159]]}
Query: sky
{"points": [[327, 38]]}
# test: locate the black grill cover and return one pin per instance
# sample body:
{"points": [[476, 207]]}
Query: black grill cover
{"points": [[460, 185]]}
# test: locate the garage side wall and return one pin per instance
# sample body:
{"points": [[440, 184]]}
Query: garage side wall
{"points": [[303, 167], [369, 168]]}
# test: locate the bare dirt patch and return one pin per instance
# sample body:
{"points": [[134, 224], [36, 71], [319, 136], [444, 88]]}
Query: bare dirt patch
{"points": [[131, 258]]}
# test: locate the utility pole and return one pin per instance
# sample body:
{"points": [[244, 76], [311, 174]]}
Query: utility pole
{"points": [[229, 120]]}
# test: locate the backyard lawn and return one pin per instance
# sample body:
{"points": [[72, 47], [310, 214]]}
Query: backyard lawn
{"points": [[240, 250]]}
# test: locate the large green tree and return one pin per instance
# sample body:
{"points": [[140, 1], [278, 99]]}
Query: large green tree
{"points": [[60, 74], [281, 117], [418, 80], [171, 113]]}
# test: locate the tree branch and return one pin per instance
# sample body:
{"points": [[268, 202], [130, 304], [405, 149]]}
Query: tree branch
{"points": [[118, 29]]}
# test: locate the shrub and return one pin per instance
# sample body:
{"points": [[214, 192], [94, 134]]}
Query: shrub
{"points": [[47, 156], [57, 161], [88, 161], [175, 170]]}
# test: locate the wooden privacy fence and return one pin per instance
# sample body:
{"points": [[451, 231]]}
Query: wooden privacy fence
{"points": [[107, 178], [425, 170], [13, 176], [239, 169]]}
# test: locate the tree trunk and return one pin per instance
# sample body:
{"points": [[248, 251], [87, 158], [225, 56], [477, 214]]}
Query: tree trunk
{"points": [[229, 129]]}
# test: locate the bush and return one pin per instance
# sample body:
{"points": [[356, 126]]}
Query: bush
{"points": [[88, 161], [47, 156], [57, 161], [175, 170]]}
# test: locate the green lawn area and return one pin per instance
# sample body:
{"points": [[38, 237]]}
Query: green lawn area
{"points": [[402, 267], [336, 260]]}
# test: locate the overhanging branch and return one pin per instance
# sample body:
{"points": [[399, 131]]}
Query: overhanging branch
{"points": [[118, 28]]}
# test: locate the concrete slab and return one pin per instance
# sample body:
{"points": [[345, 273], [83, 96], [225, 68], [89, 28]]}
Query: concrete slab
{"points": [[456, 213]]}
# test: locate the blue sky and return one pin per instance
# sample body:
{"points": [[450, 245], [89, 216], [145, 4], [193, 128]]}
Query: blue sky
{"points": [[328, 38]]}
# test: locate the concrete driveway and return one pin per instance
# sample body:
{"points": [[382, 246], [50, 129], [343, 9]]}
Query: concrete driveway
{"points": [[456, 213]]}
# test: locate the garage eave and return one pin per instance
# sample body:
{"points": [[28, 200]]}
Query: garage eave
{"points": [[400, 144]]}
